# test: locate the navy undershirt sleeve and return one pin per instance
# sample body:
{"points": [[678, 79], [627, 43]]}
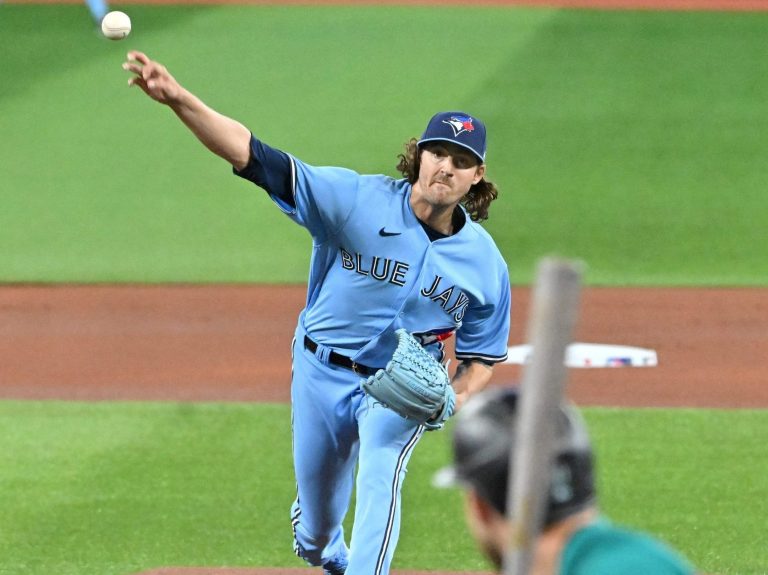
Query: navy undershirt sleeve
{"points": [[270, 169]]}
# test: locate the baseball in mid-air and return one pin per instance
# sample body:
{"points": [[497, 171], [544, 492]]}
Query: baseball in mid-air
{"points": [[116, 25]]}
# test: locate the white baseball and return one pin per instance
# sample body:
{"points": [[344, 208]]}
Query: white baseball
{"points": [[116, 25]]}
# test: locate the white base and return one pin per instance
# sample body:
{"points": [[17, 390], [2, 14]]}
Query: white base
{"points": [[593, 355]]}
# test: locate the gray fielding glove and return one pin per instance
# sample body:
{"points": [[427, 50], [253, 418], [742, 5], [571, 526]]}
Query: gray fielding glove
{"points": [[414, 384]]}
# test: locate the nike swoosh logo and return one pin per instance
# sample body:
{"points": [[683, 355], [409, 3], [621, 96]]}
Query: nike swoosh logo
{"points": [[385, 234]]}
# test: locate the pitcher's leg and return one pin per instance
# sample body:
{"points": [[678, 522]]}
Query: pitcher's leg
{"points": [[325, 445], [386, 444]]}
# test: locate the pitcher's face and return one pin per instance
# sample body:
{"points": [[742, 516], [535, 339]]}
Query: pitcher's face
{"points": [[447, 172]]}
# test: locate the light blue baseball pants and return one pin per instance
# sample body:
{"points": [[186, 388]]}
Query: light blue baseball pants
{"points": [[336, 427]]}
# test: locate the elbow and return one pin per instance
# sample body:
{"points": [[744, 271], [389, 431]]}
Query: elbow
{"points": [[239, 154], [239, 163]]}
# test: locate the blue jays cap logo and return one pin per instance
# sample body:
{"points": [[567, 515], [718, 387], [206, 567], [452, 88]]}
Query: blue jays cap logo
{"points": [[460, 124], [459, 128]]}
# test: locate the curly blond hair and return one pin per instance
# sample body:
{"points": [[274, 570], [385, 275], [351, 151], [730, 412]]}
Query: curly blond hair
{"points": [[476, 201]]}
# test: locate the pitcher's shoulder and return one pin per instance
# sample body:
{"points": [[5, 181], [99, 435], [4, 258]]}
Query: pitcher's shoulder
{"points": [[385, 184]]}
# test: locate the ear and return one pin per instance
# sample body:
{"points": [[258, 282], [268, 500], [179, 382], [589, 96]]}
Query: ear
{"points": [[479, 173], [480, 508]]}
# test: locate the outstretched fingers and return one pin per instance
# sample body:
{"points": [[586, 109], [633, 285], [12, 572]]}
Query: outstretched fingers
{"points": [[140, 57], [138, 81], [135, 62], [152, 77]]}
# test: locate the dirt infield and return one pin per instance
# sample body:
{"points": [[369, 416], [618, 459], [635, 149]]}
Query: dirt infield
{"points": [[232, 343]]}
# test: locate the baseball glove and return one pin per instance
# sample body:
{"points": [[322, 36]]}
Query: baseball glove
{"points": [[414, 384]]}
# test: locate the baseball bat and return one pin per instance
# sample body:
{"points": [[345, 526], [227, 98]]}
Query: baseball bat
{"points": [[554, 308]]}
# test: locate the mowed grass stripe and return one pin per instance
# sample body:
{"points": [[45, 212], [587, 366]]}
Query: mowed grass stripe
{"points": [[119, 487], [631, 140]]}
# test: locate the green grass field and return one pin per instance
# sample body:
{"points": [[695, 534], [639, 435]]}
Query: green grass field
{"points": [[632, 140], [114, 488]]}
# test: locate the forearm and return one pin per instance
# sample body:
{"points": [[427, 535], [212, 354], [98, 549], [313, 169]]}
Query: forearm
{"points": [[222, 135], [470, 377]]}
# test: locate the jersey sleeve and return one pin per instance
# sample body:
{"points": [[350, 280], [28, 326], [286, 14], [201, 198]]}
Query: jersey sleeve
{"points": [[484, 332], [318, 198]]}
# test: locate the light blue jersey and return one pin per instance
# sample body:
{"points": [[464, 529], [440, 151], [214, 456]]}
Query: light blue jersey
{"points": [[374, 269]]}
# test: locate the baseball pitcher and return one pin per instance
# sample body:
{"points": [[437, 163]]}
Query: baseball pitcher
{"points": [[398, 266]]}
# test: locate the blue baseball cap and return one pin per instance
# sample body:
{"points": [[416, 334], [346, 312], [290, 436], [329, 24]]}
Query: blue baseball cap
{"points": [[457, 127]]}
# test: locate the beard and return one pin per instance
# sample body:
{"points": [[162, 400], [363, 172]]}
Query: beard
{"points": [[493, 554]]}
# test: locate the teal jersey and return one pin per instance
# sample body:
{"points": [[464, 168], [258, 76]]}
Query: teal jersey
{"points": [[605, 549]]}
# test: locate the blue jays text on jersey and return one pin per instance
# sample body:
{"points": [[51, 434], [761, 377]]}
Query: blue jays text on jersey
{"points": [[380, 270]]}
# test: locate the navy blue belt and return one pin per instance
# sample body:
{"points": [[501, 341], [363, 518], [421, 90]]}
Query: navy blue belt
{"points": [[341, 360]]}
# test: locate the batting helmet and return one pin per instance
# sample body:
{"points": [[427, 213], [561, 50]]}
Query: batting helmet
{"points": [[484, 435]]}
